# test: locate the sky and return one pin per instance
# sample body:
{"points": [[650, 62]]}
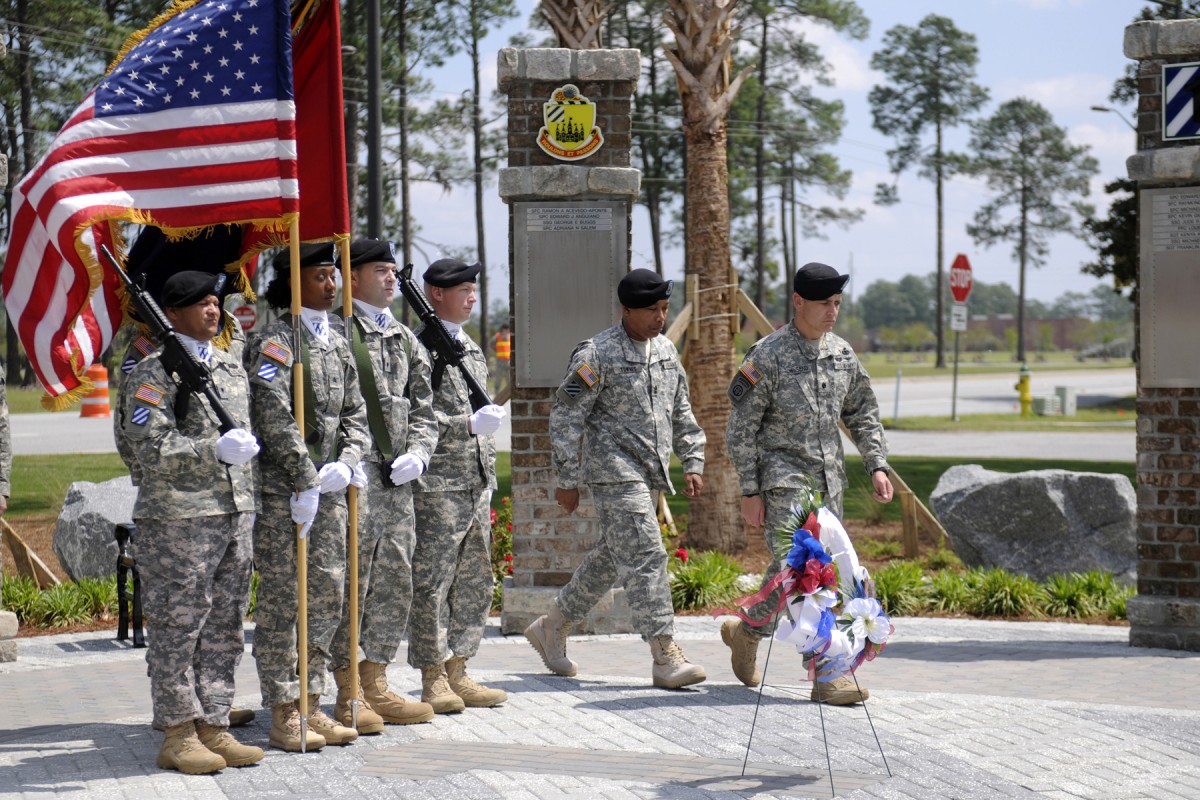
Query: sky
{"points": [[1064, 54]]}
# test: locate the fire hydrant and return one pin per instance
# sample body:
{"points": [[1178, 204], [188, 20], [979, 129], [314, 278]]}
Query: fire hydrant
{"points": [[1025, 390]]}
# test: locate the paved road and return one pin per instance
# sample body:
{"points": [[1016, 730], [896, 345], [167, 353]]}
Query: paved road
{"points": [[963, 709], [994, 394]]}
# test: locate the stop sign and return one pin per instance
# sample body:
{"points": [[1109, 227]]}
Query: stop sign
{"points": [[960, 278], [246, 316]]}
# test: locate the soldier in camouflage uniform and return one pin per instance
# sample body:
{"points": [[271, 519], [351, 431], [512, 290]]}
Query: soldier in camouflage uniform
{"points": [[624, 406], [303, 483], [452, 567], [136, 345], [394, 375], [195, 512], [783, 438]]}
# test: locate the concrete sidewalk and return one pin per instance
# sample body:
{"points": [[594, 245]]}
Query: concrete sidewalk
{"points": [[961, 709]]}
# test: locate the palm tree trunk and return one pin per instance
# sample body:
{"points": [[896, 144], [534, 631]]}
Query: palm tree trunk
{"points": [[704, 37]]}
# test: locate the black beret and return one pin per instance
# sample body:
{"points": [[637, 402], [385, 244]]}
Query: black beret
{"points": [[190, 287], [448, 272], [643, 288], [818, 281], [371, 251], [318, 254]]}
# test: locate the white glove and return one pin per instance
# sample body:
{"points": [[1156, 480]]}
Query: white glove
{"points": [[335, 476], [236, 446], [358, 478], [304, 508], [406, 468], [486, 420]]}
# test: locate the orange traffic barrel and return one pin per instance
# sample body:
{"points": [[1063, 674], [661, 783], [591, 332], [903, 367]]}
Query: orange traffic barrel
{"points": [[95, 404]]}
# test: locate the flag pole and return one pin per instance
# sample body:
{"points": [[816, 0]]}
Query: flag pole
{"points": [[352, 502], [301, 541]]}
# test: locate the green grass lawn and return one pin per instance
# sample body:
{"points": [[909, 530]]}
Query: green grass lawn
{"points": [[921, 474], [39, 483]]}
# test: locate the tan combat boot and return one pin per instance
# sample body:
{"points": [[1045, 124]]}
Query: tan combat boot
{"points": [[240, 716], [285, 730], [182, 750], [471, 693], [672, 670], [436, 691], [390, 706], [221, 742], [368, 720], [548, 635], [745, 651], [326, 726], [839, 692]]}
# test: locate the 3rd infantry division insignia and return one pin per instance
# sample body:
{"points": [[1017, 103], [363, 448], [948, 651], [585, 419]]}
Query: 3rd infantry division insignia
{"points": [[570, 131]]}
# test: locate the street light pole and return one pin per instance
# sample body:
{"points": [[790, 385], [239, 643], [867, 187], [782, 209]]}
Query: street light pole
{"points": [[1121, 116]]}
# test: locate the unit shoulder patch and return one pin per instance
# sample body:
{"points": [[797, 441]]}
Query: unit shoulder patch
{"points": [[745, 379]]}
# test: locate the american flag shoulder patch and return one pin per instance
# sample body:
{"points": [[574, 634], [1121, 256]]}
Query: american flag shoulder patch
{"points": [[586, 375], [276, 351], [148, 394], [143, 345], [751, 372], [267, 371], [140, 415]]}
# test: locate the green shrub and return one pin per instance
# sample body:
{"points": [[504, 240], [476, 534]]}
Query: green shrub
{"points": [[704, 580], [62, 605], [19, 595], [253, 594], [1068, 596], [902, 588], [950, 592], [942, 559], [1003, 594], [878, 549], [99, 595], [1116, 604]]}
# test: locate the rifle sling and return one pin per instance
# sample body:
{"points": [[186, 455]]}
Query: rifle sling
{"points": [[370, 392]]}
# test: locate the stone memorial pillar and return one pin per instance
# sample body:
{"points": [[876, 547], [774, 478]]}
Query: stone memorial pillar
{"points": [[570, 192], [1166, 610]]}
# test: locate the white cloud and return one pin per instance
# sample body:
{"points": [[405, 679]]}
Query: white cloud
{"points": [[1064, 93], [849, 62]]}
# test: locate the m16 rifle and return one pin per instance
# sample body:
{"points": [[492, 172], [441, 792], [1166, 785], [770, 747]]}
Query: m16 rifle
{"points": [[191, 374], [444, 348]]}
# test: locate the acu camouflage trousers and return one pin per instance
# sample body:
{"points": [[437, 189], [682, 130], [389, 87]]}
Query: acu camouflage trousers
{"points": [[779, 508], [196, 576], [630, 554], [275, 640], [386, 538], [452, 575]]}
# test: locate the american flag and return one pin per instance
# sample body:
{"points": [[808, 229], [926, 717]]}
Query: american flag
{"points": [[192, 126]]}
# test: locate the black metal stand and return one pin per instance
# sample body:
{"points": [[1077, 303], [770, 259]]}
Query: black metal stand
{"points": [[126, 565]]}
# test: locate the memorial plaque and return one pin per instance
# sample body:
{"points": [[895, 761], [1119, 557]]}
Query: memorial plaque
{"points": [[1169, 286], [569, 257]]}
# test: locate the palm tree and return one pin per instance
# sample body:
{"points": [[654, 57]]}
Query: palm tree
{"points": [[576, 23], [704, 37]]}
